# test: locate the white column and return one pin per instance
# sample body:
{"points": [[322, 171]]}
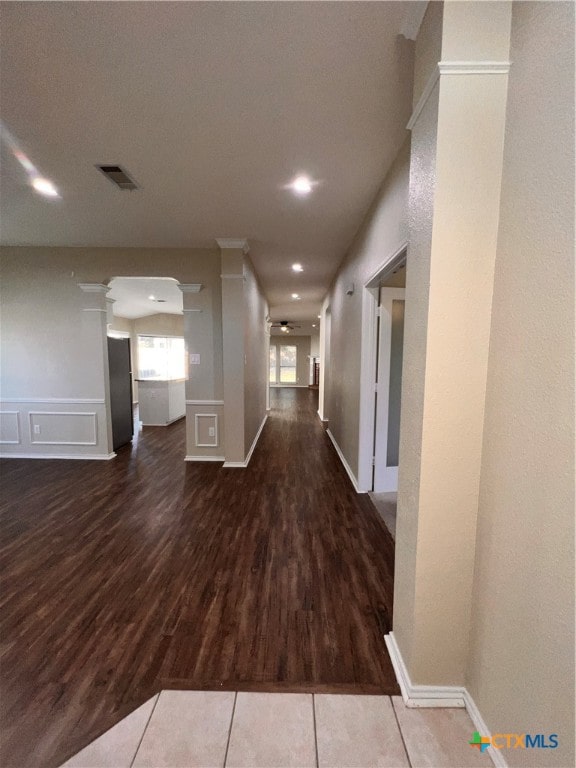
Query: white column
{"points": [[456, 168], [233, 311], [94, 333]]}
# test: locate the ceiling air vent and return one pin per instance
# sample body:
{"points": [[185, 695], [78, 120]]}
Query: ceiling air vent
{"points": [[118, 176]]}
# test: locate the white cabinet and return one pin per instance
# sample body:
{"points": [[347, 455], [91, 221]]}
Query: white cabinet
{"points": [[161, 402]]}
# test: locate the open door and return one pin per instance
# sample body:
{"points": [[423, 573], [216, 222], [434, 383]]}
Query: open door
{"points": [[388, 389], [120, 391]]}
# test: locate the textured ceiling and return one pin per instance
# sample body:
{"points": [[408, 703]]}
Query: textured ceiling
{"points": [[213, 107]]}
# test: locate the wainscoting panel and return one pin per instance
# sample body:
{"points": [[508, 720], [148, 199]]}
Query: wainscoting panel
{"points": [[54, 428], [63, 428], [9, 427], [201, 416]]}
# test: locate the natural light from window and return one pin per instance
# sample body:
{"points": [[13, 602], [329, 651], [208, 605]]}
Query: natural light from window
{"points": [[161, 357], [288, 364]]}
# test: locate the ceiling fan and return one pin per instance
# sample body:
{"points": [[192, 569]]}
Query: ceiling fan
{"points": [[284, 325]]}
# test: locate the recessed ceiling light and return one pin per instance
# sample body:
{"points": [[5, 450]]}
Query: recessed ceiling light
{"points": [[319, 317], [151, 297], [313, 325], [297, 267], [295, 296], [302, 185], [45, 187]]}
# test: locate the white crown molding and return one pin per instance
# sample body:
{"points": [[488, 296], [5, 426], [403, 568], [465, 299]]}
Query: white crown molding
{"points": [[474, 67], [343, 460], [93, 287], [455, 68], [413, 18], [80, 456], [421, 103], [190, 287], [237, 243], [244, 464], [438, 696]]}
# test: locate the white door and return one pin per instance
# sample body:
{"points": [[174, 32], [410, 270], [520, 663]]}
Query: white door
{"points": [[388, 385]]}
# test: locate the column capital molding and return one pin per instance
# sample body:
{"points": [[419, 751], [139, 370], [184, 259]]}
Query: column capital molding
{"points": [[93, 287], [455, 68], [474, 67], [234, 243], [190, 287]]}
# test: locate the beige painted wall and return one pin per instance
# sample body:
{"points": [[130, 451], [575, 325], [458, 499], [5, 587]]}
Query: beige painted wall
{"points": [[256, 351], [521, 666], [384, 231], [302, 343], [48, 341], [159, 325], [428, 47]]}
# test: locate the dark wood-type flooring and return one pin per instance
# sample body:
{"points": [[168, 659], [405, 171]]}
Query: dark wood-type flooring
{"points": [[121, 578]]}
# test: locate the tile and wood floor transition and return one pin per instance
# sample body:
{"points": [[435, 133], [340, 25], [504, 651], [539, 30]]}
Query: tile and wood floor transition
{"points": [[123, 578], [186, 729]]}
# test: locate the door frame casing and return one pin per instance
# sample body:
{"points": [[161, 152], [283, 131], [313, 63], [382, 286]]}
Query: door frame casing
{"points": [[388, 479], [370, 292]]}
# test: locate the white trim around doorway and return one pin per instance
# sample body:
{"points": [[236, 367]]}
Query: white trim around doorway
{"points": [[368, 369]]}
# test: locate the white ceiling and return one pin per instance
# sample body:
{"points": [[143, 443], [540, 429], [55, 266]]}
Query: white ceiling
{"points": [[132, 296], [213, 107]]}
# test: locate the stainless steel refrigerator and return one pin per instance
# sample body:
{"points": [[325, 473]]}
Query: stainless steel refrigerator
{"points": [[120, 391]]}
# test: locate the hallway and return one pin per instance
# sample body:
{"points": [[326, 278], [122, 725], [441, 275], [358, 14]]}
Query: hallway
{"points": [[144, 573]]}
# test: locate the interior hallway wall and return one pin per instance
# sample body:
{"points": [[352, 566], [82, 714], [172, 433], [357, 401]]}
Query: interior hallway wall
{"points": [[47, 360], [384, 231], [256, 355], [521, 667]]}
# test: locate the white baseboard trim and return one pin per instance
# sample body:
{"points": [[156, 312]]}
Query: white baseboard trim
{"points": [[288, 386], [204, 458], [421, 695], [244, 464], [439, 696], [496, 755], [323, 420], [92, 457], [343, 460]]}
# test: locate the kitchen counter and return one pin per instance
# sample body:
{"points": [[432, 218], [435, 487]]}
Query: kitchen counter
{"points": [[161, 401]]}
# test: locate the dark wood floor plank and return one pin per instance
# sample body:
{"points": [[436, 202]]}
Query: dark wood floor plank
{"points": [[125, 577]]}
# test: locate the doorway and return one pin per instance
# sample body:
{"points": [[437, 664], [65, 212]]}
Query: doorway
{"points": [[147, 358], [381, 384]]}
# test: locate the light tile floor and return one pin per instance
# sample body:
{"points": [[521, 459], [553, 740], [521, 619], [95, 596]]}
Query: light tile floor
{"points": [[203, 729], [386, 504]]}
